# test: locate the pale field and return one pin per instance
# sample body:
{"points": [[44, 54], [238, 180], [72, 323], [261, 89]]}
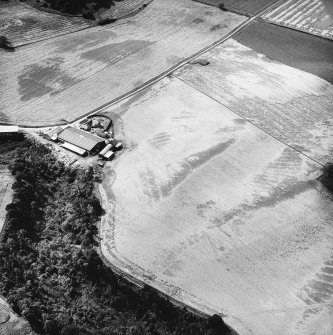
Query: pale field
{"points": [[23, 24], [59, 80], [310, 16], [219, 214], [291, 105]]}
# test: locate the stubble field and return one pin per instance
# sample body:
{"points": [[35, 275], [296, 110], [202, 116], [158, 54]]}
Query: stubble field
{"points": [[310, 16], [59, 80], [23, 24], [219, 213]]}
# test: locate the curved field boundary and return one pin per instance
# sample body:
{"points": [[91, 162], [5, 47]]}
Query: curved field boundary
{"points": [[122, 9], [309, 16], [23, 24], [140, 277]]}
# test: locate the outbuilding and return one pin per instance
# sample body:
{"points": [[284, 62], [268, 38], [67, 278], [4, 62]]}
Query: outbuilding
{"points": [[82, 139], [9, 132], [53, 133]]}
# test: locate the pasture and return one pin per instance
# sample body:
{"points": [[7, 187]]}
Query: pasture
{"points": [[23, 24], [217, 210], [59, 80], [310, 16]]}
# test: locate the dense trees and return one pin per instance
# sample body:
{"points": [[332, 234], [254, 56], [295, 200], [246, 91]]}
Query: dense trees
{"points": [[50, 271], [327, 177]]}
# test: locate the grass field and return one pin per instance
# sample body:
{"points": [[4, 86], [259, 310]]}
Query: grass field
{"points": [[310, 16], [291, 105], [309, 53], [22, 24], [220, 214], [244, 6], [59, 80]]}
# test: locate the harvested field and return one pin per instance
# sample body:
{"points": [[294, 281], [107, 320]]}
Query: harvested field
{"points": [[62, 79], [309, 53], [291, 105], [22, 24], [219, 214], [242, 6], [310, 16]]}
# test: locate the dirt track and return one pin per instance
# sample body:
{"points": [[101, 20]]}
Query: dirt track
{"points": [[59, 80]]}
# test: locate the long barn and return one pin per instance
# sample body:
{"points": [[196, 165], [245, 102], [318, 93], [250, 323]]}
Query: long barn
{"points": [[81, 140]]}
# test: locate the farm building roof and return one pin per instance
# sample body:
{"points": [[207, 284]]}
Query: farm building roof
{"points": [[74, 148], [8, 129], [80, 138], [54, 131]]}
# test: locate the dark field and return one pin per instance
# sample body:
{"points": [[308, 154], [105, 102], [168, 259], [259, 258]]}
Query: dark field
{"points": [[246, 6], [308, 53]]}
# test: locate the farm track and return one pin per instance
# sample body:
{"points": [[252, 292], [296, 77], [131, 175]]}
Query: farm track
{"points": [[309, 16], [67, 77]]}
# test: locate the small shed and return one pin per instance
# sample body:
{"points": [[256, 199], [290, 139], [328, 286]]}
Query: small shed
{"points": [[53, 133], [9, 131], [105, 150]]}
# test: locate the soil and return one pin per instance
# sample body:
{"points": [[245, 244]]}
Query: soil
{"points": [[297, 49], [219, 214]]}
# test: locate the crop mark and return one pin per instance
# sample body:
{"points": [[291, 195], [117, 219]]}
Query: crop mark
{"points": [[193, 162], [44, 79], [113, 53], [160, 140]]}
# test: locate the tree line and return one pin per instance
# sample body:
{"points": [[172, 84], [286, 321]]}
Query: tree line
{"points": [[50, 271]]}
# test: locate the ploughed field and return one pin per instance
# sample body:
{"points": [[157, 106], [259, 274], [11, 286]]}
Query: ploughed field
{"points": [[216, 201], [22, 24], [310, 16], [292, 47], [62, 79]]}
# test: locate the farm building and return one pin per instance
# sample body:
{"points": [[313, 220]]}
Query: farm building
{"points": [[81, 139], [53, 133], [9, 132], [86, 124]]}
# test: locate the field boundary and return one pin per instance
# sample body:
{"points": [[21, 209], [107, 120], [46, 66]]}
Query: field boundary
{"points": [[216, 3], [93, 24], [147, 83], [264, 131]]}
